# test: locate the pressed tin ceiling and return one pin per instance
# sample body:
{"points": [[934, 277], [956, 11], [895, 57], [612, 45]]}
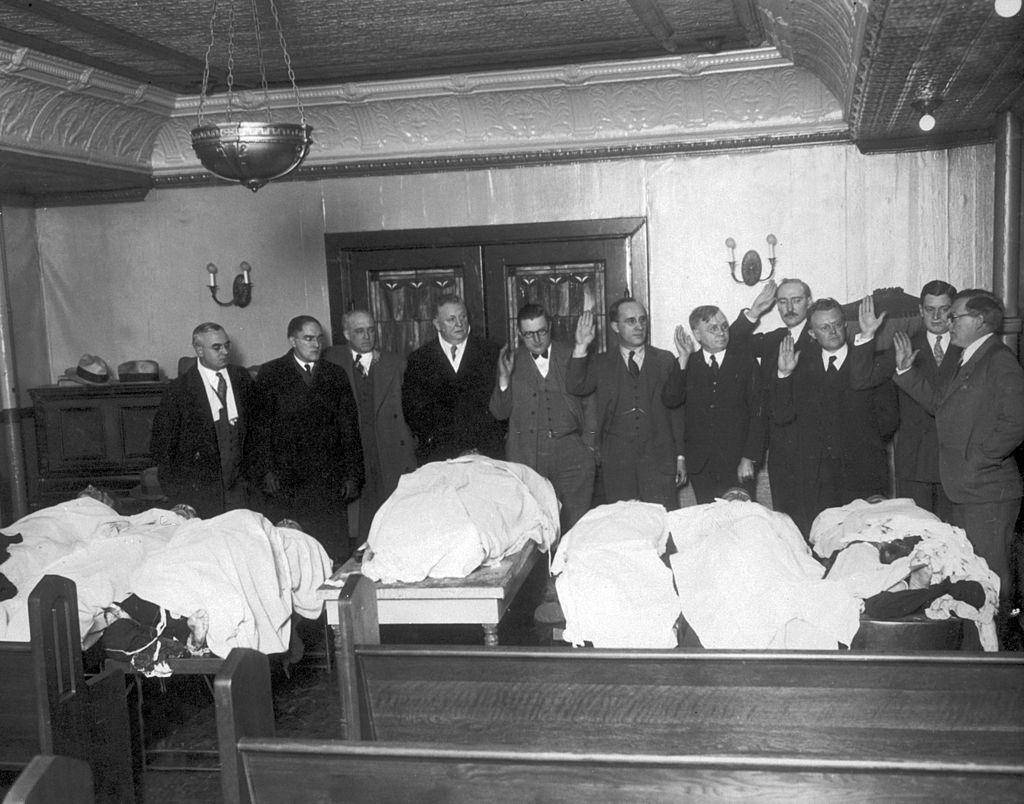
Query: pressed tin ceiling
{"points": [[875, 57]]}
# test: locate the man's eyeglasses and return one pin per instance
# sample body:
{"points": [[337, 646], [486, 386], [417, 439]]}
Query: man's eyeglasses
{"points": [[537, 333], [951, 318]]}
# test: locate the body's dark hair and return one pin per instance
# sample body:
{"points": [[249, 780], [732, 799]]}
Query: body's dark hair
{"points": [[202, 329], [703, 313], [986, 304], [452, 298], [296, 324], [613, 309], [823, 305], [530, 311], [800, 282], [937, 287]]}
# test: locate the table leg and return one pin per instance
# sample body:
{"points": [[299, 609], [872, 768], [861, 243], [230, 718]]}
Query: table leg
{"points": [[491, 635]]}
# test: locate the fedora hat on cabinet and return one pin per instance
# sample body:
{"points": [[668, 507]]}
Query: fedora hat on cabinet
{"points": [[139, 371], [91, 370]]}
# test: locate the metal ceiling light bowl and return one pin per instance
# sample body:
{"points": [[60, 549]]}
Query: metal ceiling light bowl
{"points": [[248, 152]]}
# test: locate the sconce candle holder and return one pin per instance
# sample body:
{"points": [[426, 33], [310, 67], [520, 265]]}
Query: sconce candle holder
{"points": [[241, 288], [751, 267]]}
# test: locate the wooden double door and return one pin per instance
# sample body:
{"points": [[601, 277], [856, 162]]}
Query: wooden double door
{"points": [[565, 267]]}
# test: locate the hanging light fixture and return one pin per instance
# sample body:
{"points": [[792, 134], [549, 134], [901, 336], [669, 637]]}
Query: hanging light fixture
{"points": [[252, 153]]}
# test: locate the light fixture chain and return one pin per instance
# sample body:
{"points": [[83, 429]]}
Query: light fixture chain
{"points": [[206, 65], [231, 58], [287, 62], [259, 57]]}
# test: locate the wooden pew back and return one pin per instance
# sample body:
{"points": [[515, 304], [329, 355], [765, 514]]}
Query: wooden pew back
{"points": [[49, 708], [269, 769], [871, 707]]}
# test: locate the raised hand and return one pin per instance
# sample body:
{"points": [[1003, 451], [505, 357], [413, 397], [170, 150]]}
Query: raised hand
{"points": [[869, 322], [684, 345], [506, 362], [788, 356], [586, 331], [764, 300], [745, 471], [904, 354]]}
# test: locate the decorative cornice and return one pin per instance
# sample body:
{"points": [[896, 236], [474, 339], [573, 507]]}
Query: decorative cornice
{"points": [[439, 164], [671, 102], [67, 76]]}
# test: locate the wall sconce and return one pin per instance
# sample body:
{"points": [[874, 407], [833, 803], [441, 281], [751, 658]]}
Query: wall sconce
{"points": [[925, 107], [241, 288], [750, 267]]}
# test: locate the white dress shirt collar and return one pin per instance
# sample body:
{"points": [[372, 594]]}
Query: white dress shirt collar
{"points": [[209, 377], [969, 351], [839, 354]]}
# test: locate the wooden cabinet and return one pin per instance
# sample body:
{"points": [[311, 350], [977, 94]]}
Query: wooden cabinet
{"points": [[92, 434]]}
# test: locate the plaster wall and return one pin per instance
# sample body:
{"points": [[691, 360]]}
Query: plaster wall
{"points": [[128, 281]]}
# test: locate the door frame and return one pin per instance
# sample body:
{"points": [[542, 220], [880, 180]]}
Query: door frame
{"points": [[633, 230]]}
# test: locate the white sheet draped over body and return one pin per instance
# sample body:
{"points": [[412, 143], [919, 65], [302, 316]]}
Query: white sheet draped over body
{"points": [[614, 589], [247, 574], [746, 579], [448, 518]]}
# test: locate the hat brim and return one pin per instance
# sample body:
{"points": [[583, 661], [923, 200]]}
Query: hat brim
{"points": [[73, 375]]}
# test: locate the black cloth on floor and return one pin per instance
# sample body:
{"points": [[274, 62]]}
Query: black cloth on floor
{"points": [[893, 605]]}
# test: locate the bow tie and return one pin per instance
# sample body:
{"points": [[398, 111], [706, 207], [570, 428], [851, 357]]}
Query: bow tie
{"points": [[539, 355]]}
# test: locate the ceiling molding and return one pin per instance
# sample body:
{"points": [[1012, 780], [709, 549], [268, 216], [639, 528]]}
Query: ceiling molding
{"points": [[667, 101]]}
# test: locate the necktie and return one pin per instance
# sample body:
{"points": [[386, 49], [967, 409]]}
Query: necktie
{"points": [[832, 365], [631, 364], [714, 364], [222, 395], [539, 355], [361, 365], [938, 351], [455, 350], [307, 373]]}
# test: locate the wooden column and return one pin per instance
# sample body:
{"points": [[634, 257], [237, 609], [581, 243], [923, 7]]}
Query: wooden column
{"points": [[1006, 254], [11, 449]]}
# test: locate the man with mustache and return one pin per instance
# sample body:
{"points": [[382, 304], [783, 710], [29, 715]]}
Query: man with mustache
{"points": [[447, 388], [793, 297]]}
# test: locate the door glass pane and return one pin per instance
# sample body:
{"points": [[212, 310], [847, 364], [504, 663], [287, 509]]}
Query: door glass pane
{"points": [[565, 290], [404, 301]]}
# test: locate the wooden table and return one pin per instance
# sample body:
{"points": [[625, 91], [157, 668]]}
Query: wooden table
{"points": [[482, 597]]}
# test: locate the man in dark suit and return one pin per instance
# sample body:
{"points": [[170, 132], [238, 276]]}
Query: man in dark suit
{"points": [[793, 297], [916, 452], [447, 387], [376, 379], [200, 434], [979, 416], [724, 408], [306, 439], [840, 433], [550, 430], [639, 390]]}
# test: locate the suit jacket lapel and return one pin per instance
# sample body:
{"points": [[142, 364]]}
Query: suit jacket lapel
{"points": [[202, 402], [384, 374]]}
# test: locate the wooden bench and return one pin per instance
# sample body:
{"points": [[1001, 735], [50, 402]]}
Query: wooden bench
{"points": [[47, 705], [635, 763], [52, 780], [801, 724]]}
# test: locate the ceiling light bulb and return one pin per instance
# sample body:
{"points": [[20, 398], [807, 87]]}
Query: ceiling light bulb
{"points": [[1007, 8], [926, 123]]}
